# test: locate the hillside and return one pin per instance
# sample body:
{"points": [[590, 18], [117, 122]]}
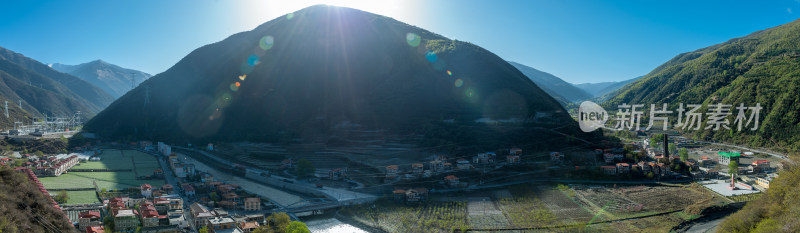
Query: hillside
{"points": [[40, 90], [763, 67], [775, 211], [111, 78], [70, 86], [562, 91], [23, 208], [329, 72]]}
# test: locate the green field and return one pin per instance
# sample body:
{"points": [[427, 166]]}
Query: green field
{"points": [[110, 159], [81, 197]]}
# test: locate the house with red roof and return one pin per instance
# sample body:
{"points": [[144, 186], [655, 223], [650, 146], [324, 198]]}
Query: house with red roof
{"points": [[147, 190], [451, 180], [88, 219]]}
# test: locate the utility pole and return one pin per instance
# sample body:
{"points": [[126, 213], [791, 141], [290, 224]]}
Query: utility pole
{"points": [[146, 95], [133, 80], [20, 103]]}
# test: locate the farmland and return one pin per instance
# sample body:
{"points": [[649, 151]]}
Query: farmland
{"points": [[428, 217], [546, 207], [115, 180]]}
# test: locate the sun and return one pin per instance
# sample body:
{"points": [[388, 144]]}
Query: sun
{"points": [[261, 11]]}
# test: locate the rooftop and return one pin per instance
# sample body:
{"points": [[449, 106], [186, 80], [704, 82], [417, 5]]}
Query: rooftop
{"points": [[729, 154]]}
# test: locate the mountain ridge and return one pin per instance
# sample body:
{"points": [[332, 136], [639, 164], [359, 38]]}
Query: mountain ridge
{"points": [[113, 79], [561, 90], [380, 74]]}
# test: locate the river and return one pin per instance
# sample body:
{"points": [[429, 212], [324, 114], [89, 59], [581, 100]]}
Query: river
{"points": [[327, 225]]}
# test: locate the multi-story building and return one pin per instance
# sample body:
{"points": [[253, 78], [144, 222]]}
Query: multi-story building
{"points": [[201, 214], [609, 170], [451, 180], [89, 218], [391, 171], [252, 204], [125, 220], [726, 158]]}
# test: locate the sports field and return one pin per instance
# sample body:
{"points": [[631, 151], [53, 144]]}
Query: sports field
{"points": [[110, 159]]}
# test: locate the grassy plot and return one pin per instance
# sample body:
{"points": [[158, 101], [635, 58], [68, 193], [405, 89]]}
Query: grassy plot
{"points": [[110, 159], [81, 197], [107, 180]]}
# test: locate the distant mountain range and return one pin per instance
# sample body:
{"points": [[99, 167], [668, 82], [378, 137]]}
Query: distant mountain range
{"points": [[562, 91], [603, 88], [41, 90], [329, 72], [111, 78]]}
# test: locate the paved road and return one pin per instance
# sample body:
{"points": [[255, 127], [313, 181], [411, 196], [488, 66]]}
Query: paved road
{"points": [[781, 156], [171, 179], [710, 226]]}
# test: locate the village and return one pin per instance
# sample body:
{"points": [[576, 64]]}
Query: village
{"points": [[170, 194]]}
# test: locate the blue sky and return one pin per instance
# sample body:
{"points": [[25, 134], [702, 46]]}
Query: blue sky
{"points": [[579, 41]]}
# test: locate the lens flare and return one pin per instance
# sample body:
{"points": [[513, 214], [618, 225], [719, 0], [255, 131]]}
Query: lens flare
{"points": [[469, 92], [225, 99], [253, 60], [242, 77], [290, 16], [449, 73], [245, 68], [413, 39], [431, 56], [234, 87], [266, 42], [459, 83]]}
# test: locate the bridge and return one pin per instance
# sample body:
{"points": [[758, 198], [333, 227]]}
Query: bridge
{"points": [[308, 205]]}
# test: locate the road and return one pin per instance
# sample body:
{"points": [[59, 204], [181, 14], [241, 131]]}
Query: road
{"points": [[172, 180], [341, 195], [710, 226], [781, 156]]}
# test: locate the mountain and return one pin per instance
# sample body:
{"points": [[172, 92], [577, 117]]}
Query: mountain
{"points": [[23, 208], [763, 67], [562, 91], [41, 90], [602, 88], [324, 73], [111, 78]]}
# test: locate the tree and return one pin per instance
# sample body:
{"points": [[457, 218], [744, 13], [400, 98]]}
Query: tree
{"points": [[684, 153], [108, 222], [297, 227], [672, 149], [214, 196], [263, 229], [203, 230], [733, 168], [279, 221], [305, 168], [62, 197], [650, 175]]}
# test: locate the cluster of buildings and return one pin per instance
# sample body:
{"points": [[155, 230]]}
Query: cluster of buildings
{"points": [[180, 169], [49, 165], [408, 196], [151, 213], [443, 164], [219, 221]]}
